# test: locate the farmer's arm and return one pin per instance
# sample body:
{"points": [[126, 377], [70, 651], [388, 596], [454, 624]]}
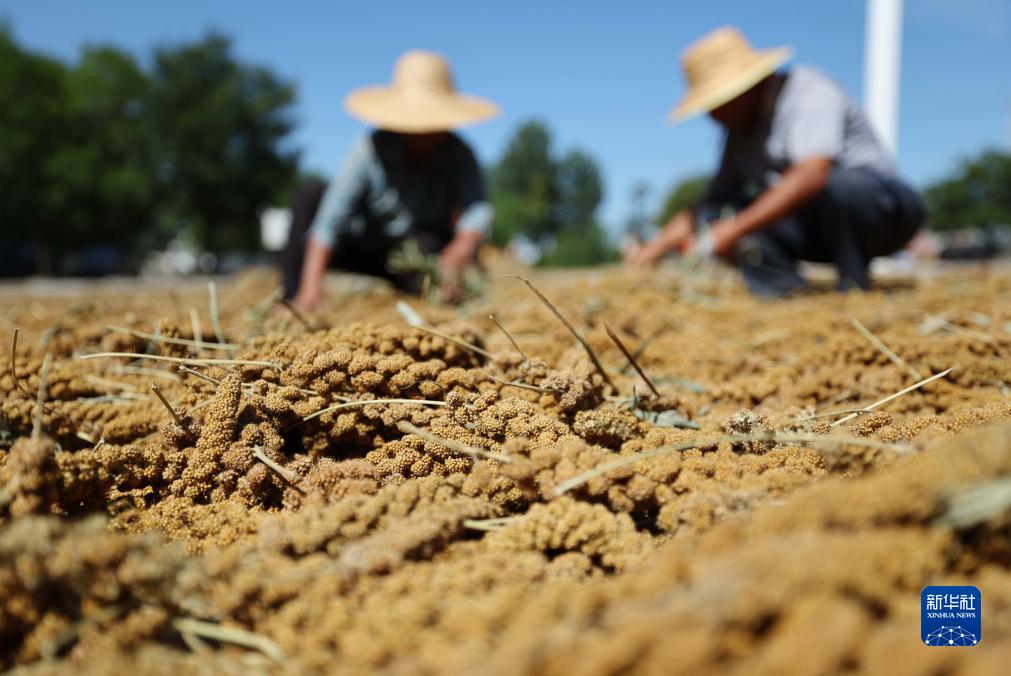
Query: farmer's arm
{"points": [[335, 212], [796, 186], [677, 233], [471, 224], [815, 136], [673, 235]]}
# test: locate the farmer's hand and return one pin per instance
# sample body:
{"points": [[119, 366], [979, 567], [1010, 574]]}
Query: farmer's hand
{"points": [[451, 289], [717, 241], [309, 298], [677, 234], [647, 254], [460, 251], [451, 267], [453, 260]]}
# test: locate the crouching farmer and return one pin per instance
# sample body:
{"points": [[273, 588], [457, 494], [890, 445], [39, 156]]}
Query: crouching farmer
{"points": [[802, 175]]}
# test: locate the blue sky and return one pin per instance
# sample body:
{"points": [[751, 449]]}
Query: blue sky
{"points": [[601, 74]]}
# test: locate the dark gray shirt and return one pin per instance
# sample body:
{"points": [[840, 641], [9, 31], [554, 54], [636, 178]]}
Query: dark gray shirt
{"points": [[377, 192], [804, 114]]}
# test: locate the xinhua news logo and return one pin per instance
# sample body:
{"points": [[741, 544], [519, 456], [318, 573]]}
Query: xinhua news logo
{"points": [[951, 616]]}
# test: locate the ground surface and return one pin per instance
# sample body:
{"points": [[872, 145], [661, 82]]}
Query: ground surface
{"points": [[243, 537]]}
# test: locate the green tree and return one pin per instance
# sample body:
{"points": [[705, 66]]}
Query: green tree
{"points": [[552, 202], [103, 176], [33, 117], [221, 127], [579, 190], [639, 221], [684, 195], [580, 247], [978, 195], [523, 187], [105, 151]]}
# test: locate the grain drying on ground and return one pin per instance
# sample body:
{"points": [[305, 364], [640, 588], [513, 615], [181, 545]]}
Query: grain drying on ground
{"points": [[359, 494]]}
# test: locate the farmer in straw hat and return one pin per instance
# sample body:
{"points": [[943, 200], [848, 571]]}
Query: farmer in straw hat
{"points": [[802, 176], [411, 179]]}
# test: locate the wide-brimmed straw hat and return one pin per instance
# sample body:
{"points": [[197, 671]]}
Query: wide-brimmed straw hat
{"points": [[720, 67], [421, 98]]}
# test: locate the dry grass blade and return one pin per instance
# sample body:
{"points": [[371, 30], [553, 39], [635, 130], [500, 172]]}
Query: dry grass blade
{"points": [[233, 635], [631, 360], [524, 386], [456, 341], [14, 367], [777, 437], [112, 398], [215, 381], [182, 360], [934, 322], [212, 291], [299, 317], [582, 341], [511, 339], [882, 402], [40, 400], [366, 402], [494, 524], [108, 383], [288, 475], [198, 374], [978, 504], [198, 334], [638, 353], [832, 414], [144, 371], [414, 319], [167, 405], [837, 399], [410, 315], [884, 349], [173, 341], [456, 446]]}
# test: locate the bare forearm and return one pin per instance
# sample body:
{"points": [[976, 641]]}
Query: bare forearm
{"points": [[317, 257], [795, 187], [461, 249]]}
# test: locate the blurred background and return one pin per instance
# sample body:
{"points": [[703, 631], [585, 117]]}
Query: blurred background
{"points": [[166, 138]]}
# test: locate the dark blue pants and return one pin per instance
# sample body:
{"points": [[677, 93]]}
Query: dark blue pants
{"points": [[860, 214]]}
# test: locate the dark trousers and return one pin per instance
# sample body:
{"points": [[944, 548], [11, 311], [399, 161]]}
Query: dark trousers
{"points": [[365, 254], [860, 214]]}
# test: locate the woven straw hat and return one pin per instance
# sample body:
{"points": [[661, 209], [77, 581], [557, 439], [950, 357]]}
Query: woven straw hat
{"points": [[421, 98], [720, 67]]}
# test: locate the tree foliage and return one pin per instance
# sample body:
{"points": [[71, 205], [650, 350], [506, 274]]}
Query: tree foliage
{"points": [[33, 115], [221, 125], [106, 151], [523, 186], [638, 222], [580, 247], [553, 202], [579, 189], [977, 195]]}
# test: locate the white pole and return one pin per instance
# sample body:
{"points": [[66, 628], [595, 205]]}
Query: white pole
{"points": [[882, 57]]}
